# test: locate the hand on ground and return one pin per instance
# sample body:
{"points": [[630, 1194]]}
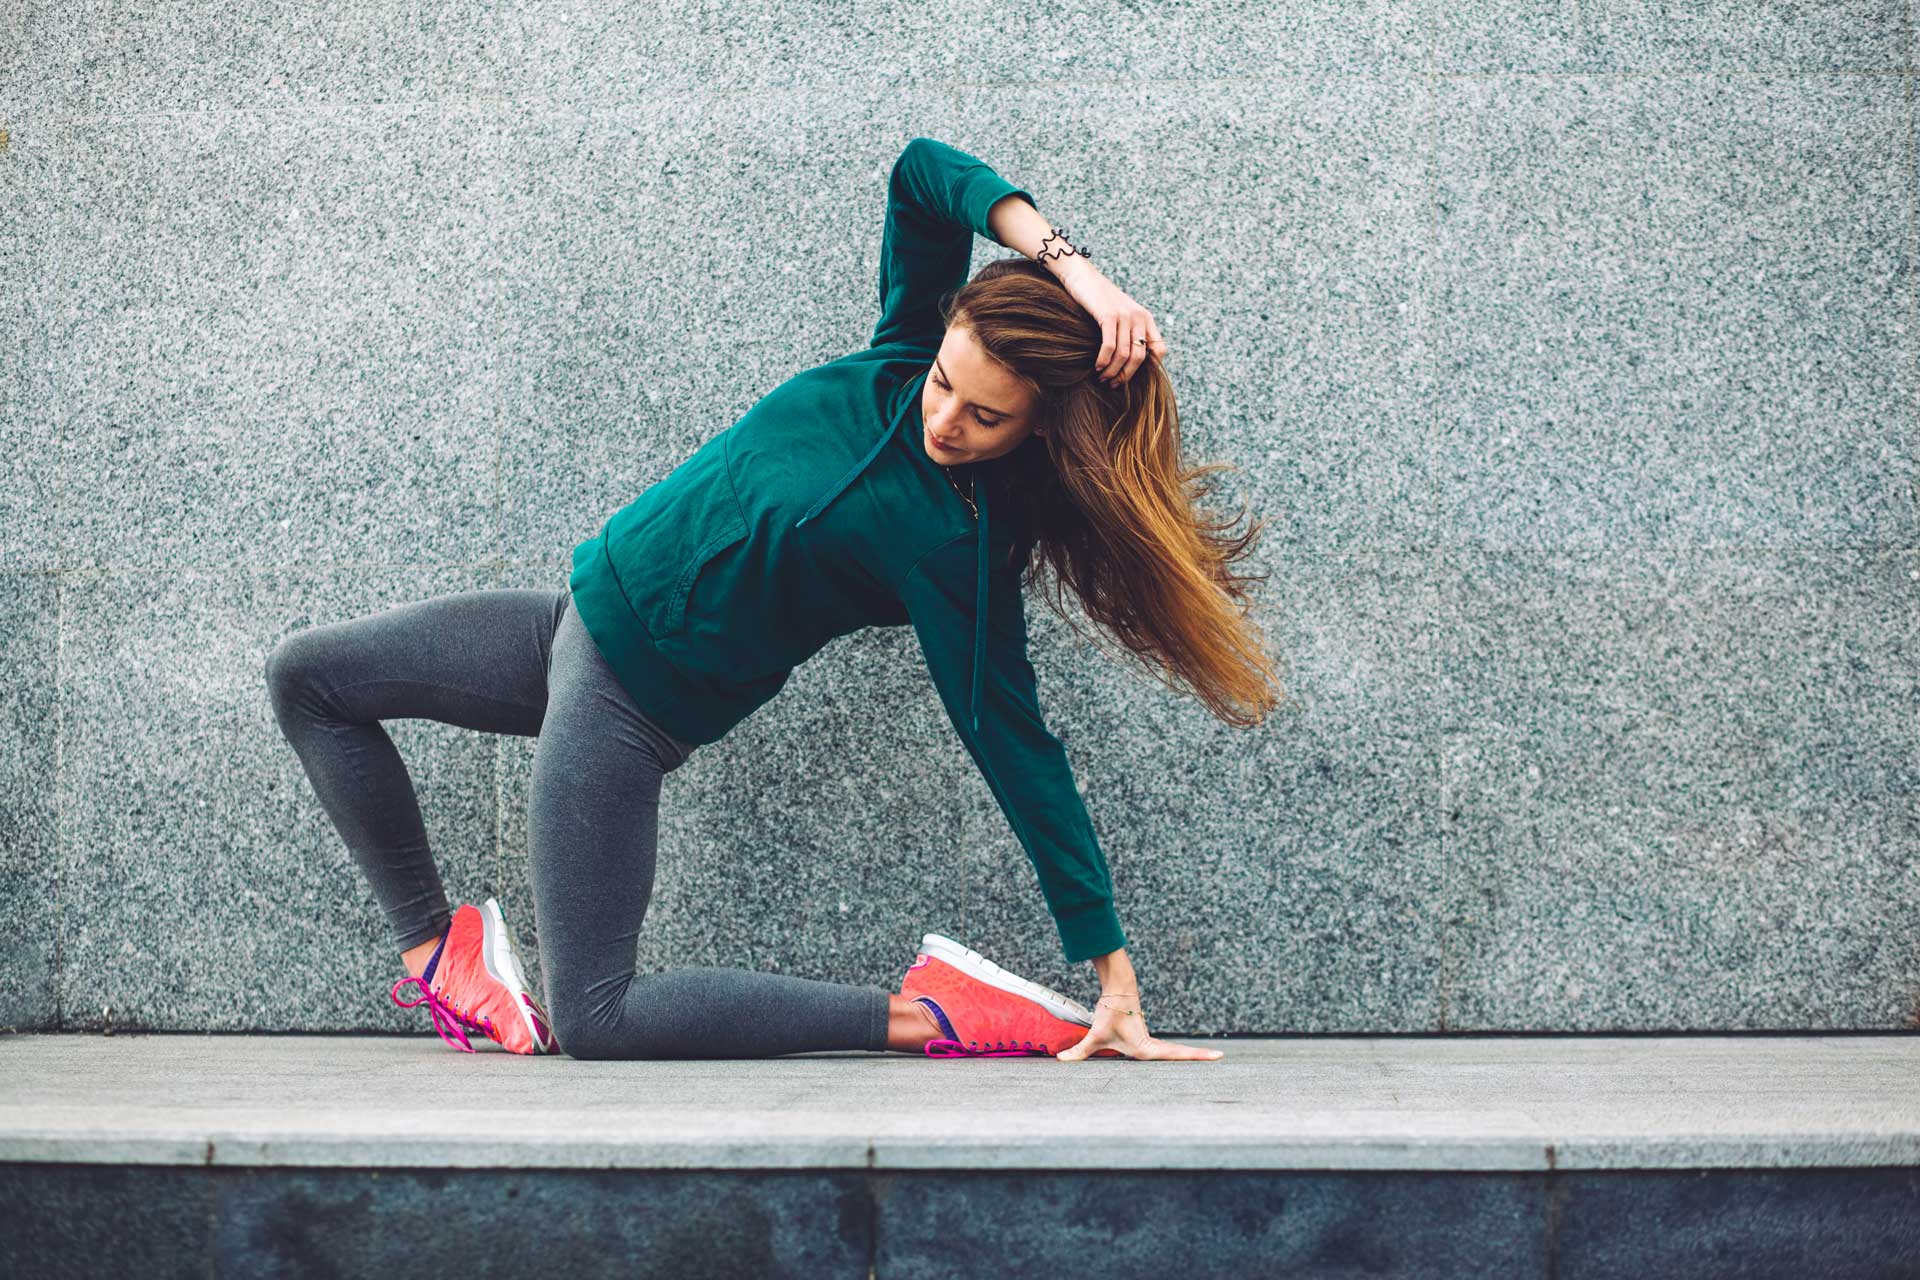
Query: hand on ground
{"points": [[1119, 1024]]}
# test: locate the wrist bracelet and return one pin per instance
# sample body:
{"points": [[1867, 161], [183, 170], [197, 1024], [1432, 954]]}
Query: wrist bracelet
{"points": [[1059, 233]]}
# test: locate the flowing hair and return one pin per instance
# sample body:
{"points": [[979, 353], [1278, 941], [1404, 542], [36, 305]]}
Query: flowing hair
{"points": [[1105, 499]]}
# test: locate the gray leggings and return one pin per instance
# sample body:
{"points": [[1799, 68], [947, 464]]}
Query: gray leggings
{"points": [[518, 660]]}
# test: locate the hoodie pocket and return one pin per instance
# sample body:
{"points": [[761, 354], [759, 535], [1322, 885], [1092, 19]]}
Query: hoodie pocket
{"points": [[670, 618]]}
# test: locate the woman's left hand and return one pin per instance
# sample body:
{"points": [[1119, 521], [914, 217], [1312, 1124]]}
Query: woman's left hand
{"points": [[1122, 322], [1118, 1024]]}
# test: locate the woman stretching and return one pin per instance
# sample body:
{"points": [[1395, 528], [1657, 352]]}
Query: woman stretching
{"points": [[990, 424]]}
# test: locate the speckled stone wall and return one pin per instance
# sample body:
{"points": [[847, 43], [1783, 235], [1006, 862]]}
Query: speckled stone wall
{"points": [[1570, 353]]}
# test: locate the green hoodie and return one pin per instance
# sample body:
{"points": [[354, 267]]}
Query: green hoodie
{"points": [[819, 513]]}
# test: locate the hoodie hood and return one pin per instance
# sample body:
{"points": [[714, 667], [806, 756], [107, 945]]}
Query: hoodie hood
{"points": [[905, 409]]}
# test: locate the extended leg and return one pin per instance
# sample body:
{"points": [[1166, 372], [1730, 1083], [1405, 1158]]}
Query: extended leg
{"points": [[591, 828]]}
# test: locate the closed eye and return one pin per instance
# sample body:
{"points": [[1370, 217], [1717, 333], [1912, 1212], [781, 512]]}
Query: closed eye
{"points": [[985, 421]]}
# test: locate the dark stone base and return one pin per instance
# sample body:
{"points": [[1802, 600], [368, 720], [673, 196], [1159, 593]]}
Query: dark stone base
{"points": [[156, 1221]]}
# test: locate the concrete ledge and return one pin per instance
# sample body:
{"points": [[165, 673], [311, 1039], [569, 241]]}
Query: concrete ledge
{"points": [[1515, 1104], [1760, 1156]]}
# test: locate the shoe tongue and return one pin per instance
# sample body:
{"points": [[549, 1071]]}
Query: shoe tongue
{"points": [[939, 1015], [539, 1026], [433, 961]]}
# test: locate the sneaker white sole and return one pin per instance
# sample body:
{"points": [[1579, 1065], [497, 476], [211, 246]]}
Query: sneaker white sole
{"points": [[502, 954], [975, 965]]}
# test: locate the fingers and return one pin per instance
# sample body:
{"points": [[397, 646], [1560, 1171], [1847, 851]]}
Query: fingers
{"points": [[1124, 343], [1109, 343], [1116, 341], [1183, 1052]]}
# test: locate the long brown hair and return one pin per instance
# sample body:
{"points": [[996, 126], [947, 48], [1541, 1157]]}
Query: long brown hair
{"points": [[1105, 498]]}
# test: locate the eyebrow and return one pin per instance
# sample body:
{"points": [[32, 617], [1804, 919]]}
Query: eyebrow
{"points": [[949, 381]]}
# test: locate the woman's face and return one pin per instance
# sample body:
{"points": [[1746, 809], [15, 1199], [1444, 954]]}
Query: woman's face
{"points": [[971, 408]]}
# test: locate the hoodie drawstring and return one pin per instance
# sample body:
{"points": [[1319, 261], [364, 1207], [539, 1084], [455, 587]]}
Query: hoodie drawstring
{"points": [[980, 553], [979, 596]]}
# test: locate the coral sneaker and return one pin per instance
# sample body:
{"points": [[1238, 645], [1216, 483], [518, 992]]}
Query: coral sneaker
{"points": [[474, 980], [988, 1012]]}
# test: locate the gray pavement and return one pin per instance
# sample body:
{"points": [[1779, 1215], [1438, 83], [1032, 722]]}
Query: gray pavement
{"points": [[1524, 1103]]}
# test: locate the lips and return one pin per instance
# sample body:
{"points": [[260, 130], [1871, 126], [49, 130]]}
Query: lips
{"points": [[942, 443]]}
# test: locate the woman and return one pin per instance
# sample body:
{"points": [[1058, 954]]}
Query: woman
{"points": [[1025, 414]]}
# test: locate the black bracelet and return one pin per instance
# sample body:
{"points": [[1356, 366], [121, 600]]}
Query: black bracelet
{"points": [[1061, 234]]}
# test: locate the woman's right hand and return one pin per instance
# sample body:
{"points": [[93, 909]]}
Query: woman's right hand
{"points": [[1119, 1025], [1122, 322]]}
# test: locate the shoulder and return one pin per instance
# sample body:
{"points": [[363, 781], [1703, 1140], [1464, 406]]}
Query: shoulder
{"points": [[905, 357]]}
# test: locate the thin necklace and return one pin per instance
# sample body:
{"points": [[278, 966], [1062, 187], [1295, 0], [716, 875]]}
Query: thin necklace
{"points": [[967, 498]]}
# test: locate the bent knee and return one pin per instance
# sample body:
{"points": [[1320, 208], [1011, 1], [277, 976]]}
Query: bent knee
{"points": [[288, 666], [591, 1041], [591, 1036]]}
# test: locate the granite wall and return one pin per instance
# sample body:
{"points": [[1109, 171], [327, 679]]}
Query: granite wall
{"points": [[1570, 353]]}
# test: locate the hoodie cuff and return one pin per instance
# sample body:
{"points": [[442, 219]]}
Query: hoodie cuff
{"points": [[1089, 931], [979, 191]]}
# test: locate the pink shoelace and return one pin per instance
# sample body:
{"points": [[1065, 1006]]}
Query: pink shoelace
{"points": [[447, 1016], [945, 1048]]}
